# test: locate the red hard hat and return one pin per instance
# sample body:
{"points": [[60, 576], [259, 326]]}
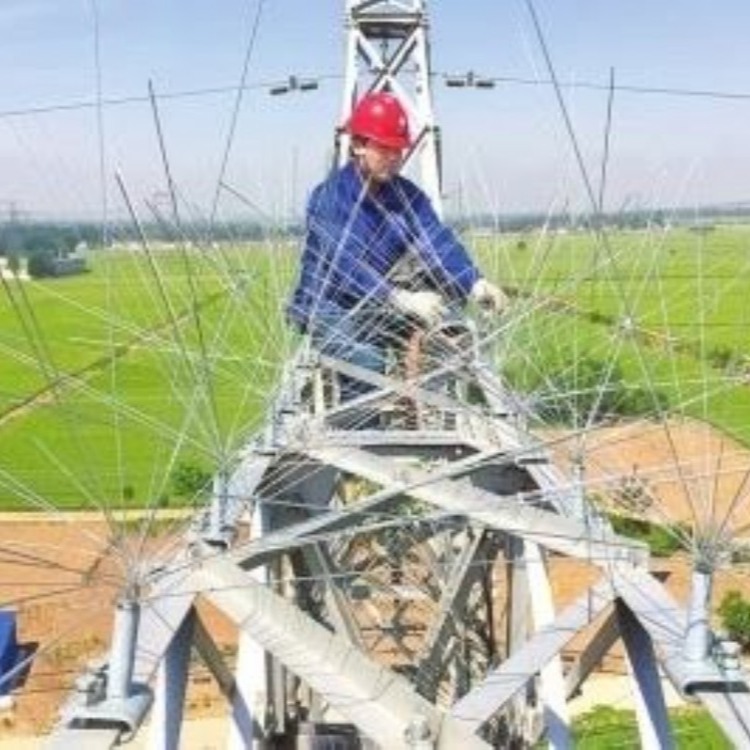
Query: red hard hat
{"points": [[380, 117]]}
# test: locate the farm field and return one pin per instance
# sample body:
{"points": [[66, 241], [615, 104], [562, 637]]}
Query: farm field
{"points": [[112, 379], [146, 362], [664, 311]]}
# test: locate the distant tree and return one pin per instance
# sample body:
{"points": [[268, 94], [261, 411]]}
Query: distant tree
{"points": [[721, 356], [189, 480], [41, 265], [734, 611]]}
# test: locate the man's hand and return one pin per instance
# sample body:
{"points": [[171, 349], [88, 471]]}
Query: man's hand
{"points": [[428, 307], [489, 296]]}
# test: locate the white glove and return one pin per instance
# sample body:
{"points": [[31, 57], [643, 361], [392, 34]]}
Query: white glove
{"points": [[489, 296], [428, 307]]}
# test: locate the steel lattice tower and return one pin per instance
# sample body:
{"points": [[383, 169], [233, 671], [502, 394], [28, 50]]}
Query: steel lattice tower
{"points": [[454, 489]]}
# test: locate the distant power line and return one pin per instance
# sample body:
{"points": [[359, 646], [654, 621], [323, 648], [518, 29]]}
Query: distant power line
{"points": [[270, 86], [489, 81], [484, 81]]}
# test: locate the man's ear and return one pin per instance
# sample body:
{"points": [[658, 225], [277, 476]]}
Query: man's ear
{"points": [[357, 146]]}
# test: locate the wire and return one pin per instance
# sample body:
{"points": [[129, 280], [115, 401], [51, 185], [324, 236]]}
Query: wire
{"points": [[620, 87], [221, 89], [236, 108]]}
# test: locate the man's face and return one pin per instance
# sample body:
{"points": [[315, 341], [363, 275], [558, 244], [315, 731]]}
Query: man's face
{"points": [[379, 163]]}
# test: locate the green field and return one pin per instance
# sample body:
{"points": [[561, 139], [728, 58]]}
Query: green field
{"points": [[670, 310], [111, 379], [604, 728]]}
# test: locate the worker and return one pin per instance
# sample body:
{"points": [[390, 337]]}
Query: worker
{"points": [[365, 224]]}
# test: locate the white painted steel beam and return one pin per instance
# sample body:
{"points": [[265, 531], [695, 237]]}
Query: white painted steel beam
{"points": [[552, 682], [482, 703], [493, 430], [382, 704], [245, 700], [666, 623], [231, 495], [212, 657], [727, 697], [389, 386], [559, 533], [84, 739], [250, 689], [597, 647], [322, 566], [162, 613], [474, 553], [731, 710], [272, 543]]}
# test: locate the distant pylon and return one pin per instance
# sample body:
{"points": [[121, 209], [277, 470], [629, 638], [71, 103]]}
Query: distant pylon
{"points": [[387, 50]]}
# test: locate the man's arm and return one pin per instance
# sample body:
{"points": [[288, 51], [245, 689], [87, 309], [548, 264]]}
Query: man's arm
{"points": [[446, 259]]}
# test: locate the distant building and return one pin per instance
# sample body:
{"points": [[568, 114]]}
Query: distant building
{"points": [[69, 266]]}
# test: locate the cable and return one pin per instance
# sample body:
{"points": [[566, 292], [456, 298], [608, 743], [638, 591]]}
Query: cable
{"points": [[117, 101]]}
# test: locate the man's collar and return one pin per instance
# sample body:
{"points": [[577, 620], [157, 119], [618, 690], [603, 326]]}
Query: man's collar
{"points": [[386, 195]]}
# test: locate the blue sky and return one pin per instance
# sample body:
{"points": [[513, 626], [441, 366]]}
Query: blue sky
{"points": [[505, 150]]}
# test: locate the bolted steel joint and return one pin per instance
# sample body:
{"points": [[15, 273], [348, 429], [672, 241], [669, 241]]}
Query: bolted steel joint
{"points": [[418, 734]]}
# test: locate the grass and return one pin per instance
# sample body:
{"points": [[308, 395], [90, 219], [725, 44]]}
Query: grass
{"points": [[604, 728], [115, 377], [138, 366], [663, 541], [669, 312], [678, 283]]}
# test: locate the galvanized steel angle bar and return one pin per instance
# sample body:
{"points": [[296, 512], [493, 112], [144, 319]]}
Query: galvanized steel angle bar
{"points": [[170, 689], [599, 642], [322, 566], [569, 536], [381, 703], [83, 739], [476, 554], [163, 610], [389, 386], [212, 657], [731, 710], [648, 694], [484, 701], [273, 543]]}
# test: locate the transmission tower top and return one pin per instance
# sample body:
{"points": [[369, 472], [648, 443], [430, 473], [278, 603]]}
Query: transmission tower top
{"points": [[387, 49]]}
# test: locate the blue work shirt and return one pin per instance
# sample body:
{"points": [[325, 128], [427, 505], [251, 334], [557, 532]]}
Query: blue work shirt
{"points": [[354, 239]]}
